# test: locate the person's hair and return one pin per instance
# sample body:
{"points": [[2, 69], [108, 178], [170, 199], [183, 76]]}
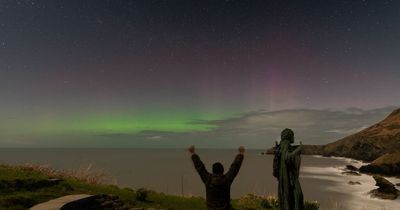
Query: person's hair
{"points": [[287, 134], [218, 168]]}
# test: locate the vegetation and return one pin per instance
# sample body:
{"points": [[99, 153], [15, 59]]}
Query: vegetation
{"points": [[24, 186], [142, 194]]}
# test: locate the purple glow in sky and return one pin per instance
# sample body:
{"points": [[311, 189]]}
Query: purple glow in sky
{"points": [[189, 60]]}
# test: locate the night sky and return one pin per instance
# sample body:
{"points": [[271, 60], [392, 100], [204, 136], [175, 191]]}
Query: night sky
{"points": [[107, 73]]}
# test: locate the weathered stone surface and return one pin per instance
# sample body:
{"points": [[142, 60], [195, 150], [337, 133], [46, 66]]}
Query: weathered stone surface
{"points": [[386, 190], [57, 203]]}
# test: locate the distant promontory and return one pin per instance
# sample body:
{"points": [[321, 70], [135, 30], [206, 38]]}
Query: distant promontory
{"points": [[378, 145]]}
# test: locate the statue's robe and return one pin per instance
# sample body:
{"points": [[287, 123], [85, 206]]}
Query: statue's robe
{"points": [[290, 194]]}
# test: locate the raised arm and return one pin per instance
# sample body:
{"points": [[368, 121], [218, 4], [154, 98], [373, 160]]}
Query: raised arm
{"points": [[199, 165], [297, 151], [235, 166]]}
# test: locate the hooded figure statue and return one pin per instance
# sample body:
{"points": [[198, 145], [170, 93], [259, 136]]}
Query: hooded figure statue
{"points": [[286, 168]]}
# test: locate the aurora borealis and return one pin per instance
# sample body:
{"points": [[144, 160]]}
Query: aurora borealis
{"points": [[74, 73]]}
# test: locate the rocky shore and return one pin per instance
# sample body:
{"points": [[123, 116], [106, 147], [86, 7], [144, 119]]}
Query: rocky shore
{"points": [[388, 164], [378, 146], [386, 190]]}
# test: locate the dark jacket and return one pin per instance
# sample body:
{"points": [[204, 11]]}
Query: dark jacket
{"points": [[218, 186]]}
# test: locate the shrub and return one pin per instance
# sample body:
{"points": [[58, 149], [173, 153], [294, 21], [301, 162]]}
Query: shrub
{"points": [[311, 205], [141, 194]]}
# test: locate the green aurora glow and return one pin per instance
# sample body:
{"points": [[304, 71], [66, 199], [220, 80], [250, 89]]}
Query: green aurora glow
{"points": [[129, 123]]}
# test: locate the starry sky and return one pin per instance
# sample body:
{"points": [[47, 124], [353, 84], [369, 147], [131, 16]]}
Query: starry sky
{"points": [[137, 73]]}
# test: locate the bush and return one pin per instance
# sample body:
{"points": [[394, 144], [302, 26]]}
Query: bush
{"points": [[141, 194], [256, 202], [311, 205], [269, 203]]}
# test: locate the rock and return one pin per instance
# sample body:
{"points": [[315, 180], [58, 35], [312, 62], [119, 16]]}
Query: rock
{"points": [[354, 183], [398, 184], [384, 185], [351, 168], [59, 202], [388, 164], [351, 173], [386, 190]]}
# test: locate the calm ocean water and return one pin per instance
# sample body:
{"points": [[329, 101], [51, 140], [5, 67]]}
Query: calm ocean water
{"points": [[171, 171]]}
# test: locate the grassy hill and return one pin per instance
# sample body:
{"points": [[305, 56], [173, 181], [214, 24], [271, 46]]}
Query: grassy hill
{"points": [[22, 187]]}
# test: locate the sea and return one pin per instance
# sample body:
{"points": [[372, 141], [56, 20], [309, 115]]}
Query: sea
{"points": [[171, 171]]}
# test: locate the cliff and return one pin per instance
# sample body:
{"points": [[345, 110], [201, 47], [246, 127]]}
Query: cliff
{"points": [[370, 143], [379, 144]]}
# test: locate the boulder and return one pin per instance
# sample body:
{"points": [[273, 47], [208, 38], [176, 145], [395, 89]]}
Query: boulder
{"points": [[58, 203], [351, 173], [353, 183], [386, 190], [351, 168]]}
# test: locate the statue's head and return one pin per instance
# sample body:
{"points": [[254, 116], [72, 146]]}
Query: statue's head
{"points": [[287, 135], [218, 168]]}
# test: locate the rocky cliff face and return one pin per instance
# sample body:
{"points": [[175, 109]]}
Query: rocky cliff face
{"points": [[370, 143], [388, 164]]}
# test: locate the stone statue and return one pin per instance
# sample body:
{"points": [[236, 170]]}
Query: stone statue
{"points": [[286, 168]]}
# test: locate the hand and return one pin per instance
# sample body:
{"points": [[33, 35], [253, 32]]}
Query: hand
{"points": [[191, 149], [241, 150]]}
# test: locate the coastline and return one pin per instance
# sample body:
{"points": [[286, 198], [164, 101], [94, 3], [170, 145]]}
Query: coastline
{"points": [[358, 195], [126, 169]]}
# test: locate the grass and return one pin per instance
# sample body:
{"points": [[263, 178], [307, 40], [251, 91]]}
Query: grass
{"points": [[24, 186]]}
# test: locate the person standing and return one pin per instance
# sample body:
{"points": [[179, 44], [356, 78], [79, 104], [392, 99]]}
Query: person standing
{"points": [[218, 184]]}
